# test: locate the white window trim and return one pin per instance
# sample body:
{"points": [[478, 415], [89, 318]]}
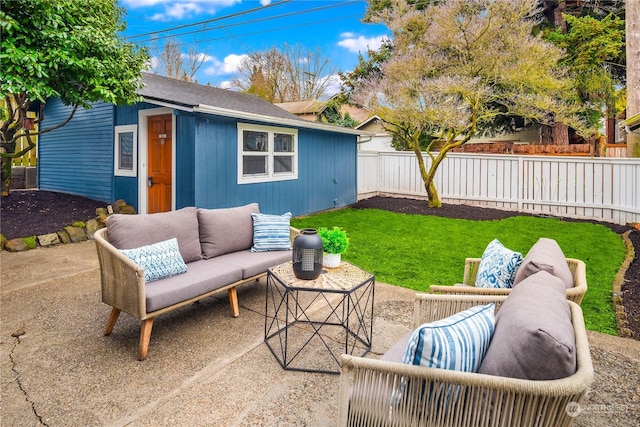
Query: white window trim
{"points": [[116, 141], [270, 176]]}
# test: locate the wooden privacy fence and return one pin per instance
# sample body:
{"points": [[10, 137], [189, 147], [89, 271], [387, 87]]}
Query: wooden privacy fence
{"points": [[28, 159], [601, 189]]}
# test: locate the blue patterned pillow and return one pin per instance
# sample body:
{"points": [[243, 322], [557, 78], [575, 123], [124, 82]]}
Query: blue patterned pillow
{"points": [[498, 266], [458, 342], [159, 260], [271, 232]]}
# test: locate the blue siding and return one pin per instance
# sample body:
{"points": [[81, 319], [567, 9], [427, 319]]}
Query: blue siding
{"points": [[78, 157], [185, 160], [326, 171]]}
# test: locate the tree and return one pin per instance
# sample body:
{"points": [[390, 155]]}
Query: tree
{"points": [[171, 62], [633, 72], [68, 49], [284, 75], [592, 45], [459, 66]]}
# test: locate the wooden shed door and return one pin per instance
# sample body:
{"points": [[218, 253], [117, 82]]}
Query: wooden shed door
{"points": [[160, 161]]}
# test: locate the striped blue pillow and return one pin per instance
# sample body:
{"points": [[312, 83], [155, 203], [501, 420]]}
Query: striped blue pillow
{"points": [[458, 342], [159, 260], [271, 232]]}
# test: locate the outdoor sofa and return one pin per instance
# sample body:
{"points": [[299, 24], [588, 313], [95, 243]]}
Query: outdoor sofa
{"points": [[387, 392], [544, 255], [217, 250]]}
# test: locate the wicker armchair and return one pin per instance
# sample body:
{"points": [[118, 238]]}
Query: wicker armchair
{"points": [[368, 387], [471, 265]]}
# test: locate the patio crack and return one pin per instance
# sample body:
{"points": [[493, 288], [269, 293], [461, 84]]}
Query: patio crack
{"points": [[14, 368]]}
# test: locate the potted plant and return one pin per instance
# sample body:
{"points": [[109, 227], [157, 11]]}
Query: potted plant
{"points": [[334, 243]]}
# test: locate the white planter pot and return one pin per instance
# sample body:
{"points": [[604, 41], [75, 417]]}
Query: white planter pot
{"points": [[330, 260]]}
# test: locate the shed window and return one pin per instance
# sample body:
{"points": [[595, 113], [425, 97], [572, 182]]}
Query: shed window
{"points": [[125, 152], [266, 153]]}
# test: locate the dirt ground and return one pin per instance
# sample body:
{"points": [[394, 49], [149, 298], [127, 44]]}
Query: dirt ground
{"points": [[32, 212]]}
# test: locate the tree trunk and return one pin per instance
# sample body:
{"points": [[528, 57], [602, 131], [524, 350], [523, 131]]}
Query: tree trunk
{"points": [[560, 134], [6, 175], [632, 30], [546, 135]]}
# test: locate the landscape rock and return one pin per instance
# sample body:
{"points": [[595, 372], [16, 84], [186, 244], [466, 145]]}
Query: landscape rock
{"points": [[127, 209], [64, 236], [92, 226], [3, 242], [15, 245], [76, 234], [48, 239]]}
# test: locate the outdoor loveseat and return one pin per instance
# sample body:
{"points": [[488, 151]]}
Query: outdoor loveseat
{"points": [[386, 392], [544, 255], [190, 254]]}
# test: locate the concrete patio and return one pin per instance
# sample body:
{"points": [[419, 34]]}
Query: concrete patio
{"points": [[204, 368]]}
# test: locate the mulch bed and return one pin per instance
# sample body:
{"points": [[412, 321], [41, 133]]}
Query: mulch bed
{"points": [[32, 212]]}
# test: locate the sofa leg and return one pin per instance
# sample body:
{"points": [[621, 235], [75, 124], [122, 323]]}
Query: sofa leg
{"points": [[113, 317], [145, 336], [233, 300]]}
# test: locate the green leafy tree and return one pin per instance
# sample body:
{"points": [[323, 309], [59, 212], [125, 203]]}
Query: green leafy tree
{"points": [[459, 66], [592, 45], [68, 49]]}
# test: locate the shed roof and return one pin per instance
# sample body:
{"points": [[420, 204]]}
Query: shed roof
{"points": [[312, 106], [212, 100]]}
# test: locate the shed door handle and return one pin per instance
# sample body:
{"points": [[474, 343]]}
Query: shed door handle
{"points": [[150, 181]]}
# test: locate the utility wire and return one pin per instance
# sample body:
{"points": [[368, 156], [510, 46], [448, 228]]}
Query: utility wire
{"points": [[232, 15], [270, 30], [254, 21]]}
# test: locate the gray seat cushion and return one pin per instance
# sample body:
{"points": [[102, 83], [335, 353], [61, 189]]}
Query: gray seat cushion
{"points": [[545, 255], [534, 337], [253, 263], [201, 277], [134, 231], [226, 230]]}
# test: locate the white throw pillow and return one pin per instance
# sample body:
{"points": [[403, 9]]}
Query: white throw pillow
{"points": [[498, 266], [271, 232]]}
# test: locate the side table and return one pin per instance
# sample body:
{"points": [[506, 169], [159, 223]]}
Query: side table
{"points": [[310, 323]]}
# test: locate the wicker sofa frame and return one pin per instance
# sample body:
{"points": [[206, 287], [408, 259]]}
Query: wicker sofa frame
{"points": [[366, 385], [123, 288], [471, 266]]}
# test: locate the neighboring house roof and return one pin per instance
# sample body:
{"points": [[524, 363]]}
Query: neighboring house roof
{"points": [[303, 107], [195, 97]]}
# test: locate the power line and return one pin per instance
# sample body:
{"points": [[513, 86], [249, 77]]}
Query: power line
{"points": [[254, 21], [269, 30], [232, 15]]}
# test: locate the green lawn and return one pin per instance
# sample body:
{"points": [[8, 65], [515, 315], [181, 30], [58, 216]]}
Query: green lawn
{"points": [[415, 251]]}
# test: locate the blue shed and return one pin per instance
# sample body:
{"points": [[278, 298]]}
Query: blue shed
{"points": [[187, 144]]}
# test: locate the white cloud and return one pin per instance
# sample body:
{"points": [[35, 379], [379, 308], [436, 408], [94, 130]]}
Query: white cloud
{"points": [[225, 85], [265, 2], [228, 65], [360, 43], [179, 9], [333, 85]]}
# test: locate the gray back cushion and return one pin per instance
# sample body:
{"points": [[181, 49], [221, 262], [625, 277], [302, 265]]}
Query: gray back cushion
{"points": [[545, 255], [534, 337], [223, 231], [134, 231]]}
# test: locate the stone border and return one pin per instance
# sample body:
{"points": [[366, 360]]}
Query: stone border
{"points": [[75, 233], [621, 315]]}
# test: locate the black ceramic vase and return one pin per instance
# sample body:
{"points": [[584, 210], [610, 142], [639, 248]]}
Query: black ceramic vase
{"points": [[307, 254]]}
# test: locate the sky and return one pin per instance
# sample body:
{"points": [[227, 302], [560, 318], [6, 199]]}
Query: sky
{"points": [[235, 28]]}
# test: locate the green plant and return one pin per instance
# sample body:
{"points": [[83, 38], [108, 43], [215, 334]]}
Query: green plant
{"points": [[334, 240]]}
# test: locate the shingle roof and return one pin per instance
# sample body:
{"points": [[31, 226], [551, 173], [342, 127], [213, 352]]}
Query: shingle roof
{"points": [[192, 94], [303, 107], [213, 100]]}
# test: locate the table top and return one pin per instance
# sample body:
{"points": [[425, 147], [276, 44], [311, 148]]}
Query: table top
{"points": [[345, 277]]}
